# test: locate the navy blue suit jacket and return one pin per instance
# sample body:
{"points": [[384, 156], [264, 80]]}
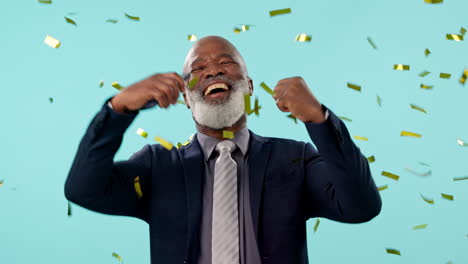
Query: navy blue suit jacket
{"points": [[290, 182]]}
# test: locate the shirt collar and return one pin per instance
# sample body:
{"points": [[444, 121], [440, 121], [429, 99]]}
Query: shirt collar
{"points": [[208, 144]]}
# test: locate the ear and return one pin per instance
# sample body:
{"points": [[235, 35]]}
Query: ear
{"points": [[186, 101], [250, 86]]}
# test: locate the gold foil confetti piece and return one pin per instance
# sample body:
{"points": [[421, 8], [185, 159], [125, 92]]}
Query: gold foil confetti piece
{"points": [[361, 138], [401, 67], [390, 175], [444, 75], [423, 174], [192, 37], [280, 12], [136, 185], [164, 143], [419, 227], [142, 132], [410, 134], [70, 21], [427, 87], [460, 178], [132, 17], [424, 73], [464, 76], [245, 27], [393, 251], [247, 107], [180, 102], [179, 145], [69, 213], [293, 118], [379, 100], [51, 100], [427, 200], [266, 88], [454, 37], [317, 223], [381, 188], [257, 107], [447, 196], [461, 143], [427, 52], [303, 38], [52, 42], [117, 86], [237, 30], [1, 182], [371, 159], [45, 1], [371, 43], [186, 143], [228, 134], [418, 108], [113, 21], [72, 13], [433, 1], [101, 84], [354, 86], [193, 82], [345, 118], [117, 256], [462, 31]]}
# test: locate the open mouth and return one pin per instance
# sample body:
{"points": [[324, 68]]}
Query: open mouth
{"points": [[217, 89]]}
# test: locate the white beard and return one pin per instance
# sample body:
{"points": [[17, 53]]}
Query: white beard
{"points": [[219, 115]]}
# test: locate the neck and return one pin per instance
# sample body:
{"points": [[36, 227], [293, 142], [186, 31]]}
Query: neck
{"points": [[218, 133]]}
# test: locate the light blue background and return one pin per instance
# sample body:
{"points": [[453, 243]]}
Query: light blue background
{"points": [[38, 139]]}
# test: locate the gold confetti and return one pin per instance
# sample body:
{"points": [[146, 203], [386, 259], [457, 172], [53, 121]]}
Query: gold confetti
{"points": [[361, 138], [51, 100], [245, 27], [192, 37], [247, 108], [401, 67], [462, 31], [410, 134], [354, 86], [101, 84], [317, 223], [257, 107], [427, 87], [345, 118], [371, 43], [142, 132], [266, 88], [180, 102], [460, 178], [117, 86], [164, 143], [418, 108], [443, 75], [136, 185], [193, 82], [228, 134], [113, 21], [280, 12], [45, 1], [427, 200], [117, 256], [394, 251], [455, 37], [69, 213], [179, 145], [293, 118], [461, 143], [447, 196], [371, 159], [464, 76], [303, 38], [424, 73], [428, 173], [433, 1], [419, 227], [132, 17], [379, 100], [425, 164], [381, 188], [71, 21], [237, 30], [427, 52], [390, 175], [52, 42]]}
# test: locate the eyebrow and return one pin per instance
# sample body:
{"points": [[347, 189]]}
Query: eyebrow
{"points": [[227, 55]]}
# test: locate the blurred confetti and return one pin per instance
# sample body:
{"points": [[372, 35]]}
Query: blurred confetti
{"points": [[228, 134], [390, 175], [460, 178], [424, 73], [379, 100], [317, 223], [136, 185], [354, 86], [45, 1], [418, 108], [427, 200], [410, 134], [101, 84], [267, 88], [142, 132], [361, 138], [381, 188], [192, 37], [345, 118], [293, 118], [70, 21], [464, 76], [52, 42], [454, 37], [462, 143], [69, 213], [280, 12], [427, 87], [119, 258], [51, 100], [371, 42], [427, 52], [135, 18], [164, 143], [113, 21], [393, 251], [303, 38], [419, 227], [445, 75], [433, 1], [447, 196], [117, 86], [371, 159], [401, 67]]}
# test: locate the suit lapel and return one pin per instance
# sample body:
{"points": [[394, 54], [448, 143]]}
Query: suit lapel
{"points": [[259, 152]]}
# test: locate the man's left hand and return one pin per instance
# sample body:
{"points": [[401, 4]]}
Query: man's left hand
{"points": [[293, 95]]}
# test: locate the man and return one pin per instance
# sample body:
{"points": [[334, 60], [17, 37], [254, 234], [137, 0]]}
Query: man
{"points": [[216, 200]]}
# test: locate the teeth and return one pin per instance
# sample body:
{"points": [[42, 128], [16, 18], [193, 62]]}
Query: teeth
{"points": [[216, 85]]}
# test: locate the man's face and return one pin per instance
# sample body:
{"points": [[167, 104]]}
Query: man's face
{"points": [[217, 99]]}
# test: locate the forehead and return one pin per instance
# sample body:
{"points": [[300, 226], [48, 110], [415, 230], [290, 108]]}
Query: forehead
{"points": [[211, 50]]}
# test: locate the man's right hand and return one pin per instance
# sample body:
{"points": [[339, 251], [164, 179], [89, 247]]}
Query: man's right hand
{"points": [[163, 87]]}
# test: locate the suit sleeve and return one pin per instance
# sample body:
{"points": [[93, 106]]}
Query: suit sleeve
{"points": [[339, 184], [98, 183]]}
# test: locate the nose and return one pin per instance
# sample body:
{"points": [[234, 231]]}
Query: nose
{"points": [[213, 70]]}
